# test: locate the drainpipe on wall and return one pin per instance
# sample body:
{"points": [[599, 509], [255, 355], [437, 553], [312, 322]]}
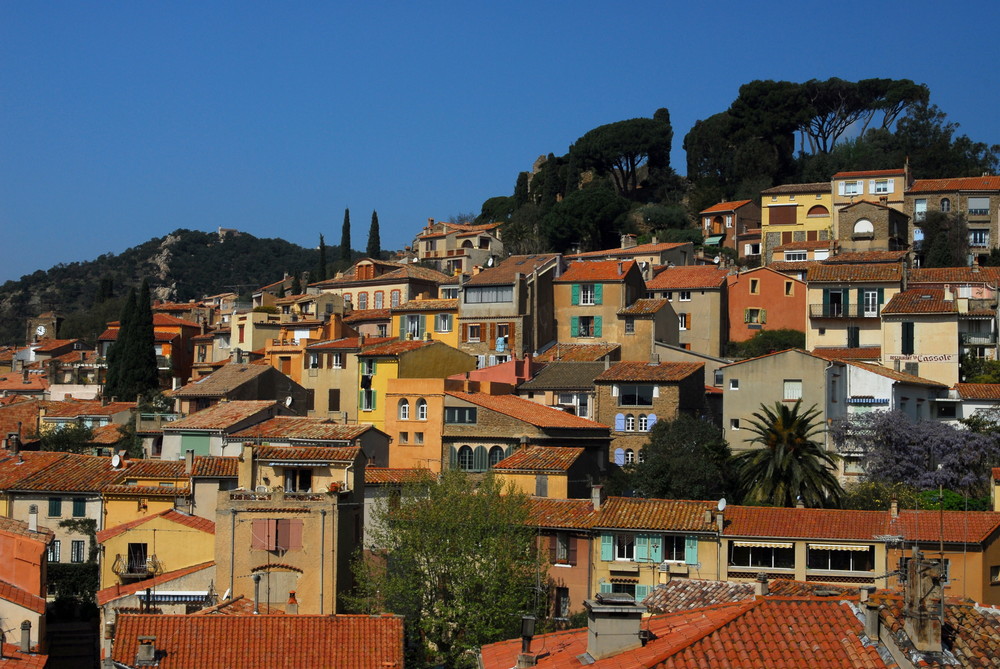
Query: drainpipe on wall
{"points": [[232, 551], [322, 556]]}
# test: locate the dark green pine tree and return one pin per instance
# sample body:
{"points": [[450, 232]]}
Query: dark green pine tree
{"points": [[321, 273], [117, 354], [296, 284], [374, 249], [146, 377], [132, 369], [345, 237]]}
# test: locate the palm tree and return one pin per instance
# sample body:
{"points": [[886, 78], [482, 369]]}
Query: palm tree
{"points": [[790, 464]]}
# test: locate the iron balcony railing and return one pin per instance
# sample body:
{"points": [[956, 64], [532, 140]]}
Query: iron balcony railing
{"points": [[978, 338], [844, 311]]}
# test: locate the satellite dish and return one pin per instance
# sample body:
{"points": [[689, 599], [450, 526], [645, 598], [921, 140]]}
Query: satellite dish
{"points": [[716, 259], [721, 505], [227, 595], [489, 263], [116, 461], [288, 401]]}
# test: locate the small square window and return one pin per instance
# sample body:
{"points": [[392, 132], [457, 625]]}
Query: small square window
{"points": [[734, 423], [685, 296], [734, 384], [404, 437], [629, 325], [789, 289], [418, 437], [755, 286]]}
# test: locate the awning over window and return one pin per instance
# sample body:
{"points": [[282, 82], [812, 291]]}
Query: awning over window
{"points": [[838, 547], [714, 240], [763, 544]]}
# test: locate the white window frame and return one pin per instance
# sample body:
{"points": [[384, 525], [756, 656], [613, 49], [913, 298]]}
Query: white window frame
{"points": [[624, 547], [791, 389], [587, 294], [477, 328], [796, 256], [421, 409], [442, 323], [685, 296], [682, 320], [404, 409], [979, 237]]}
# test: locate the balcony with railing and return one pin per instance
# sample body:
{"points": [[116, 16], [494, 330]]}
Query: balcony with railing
{"points": [[136, 566], [844, 311], [978, 338]]}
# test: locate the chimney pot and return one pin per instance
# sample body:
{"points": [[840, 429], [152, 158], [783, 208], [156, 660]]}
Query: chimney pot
{"points": [[760, 587], [145, 654], [26, 636], [292, 606], [597, 496], [33, 518]]}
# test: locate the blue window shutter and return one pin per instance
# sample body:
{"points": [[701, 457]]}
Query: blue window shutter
{"points": [[607, 546], [641, 592], [598, 293], [651, 420], [574, 326], [480, 460], [691, 549], [642, 548], [597, 326], [606, 587], [620, 422], [619, 456], [576, 293], [656, 548]]}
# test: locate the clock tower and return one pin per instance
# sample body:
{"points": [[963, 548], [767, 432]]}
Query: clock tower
{"points": [[43, 326]]}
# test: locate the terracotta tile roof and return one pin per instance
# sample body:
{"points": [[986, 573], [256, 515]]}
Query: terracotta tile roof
{"points": [[564, 375], [106, 435], [806, 245], [221, 416], [23, 410], [561, 513], [577, 352], [48, 345], [541, 458], [869, 173], [15, 659], [387, 475], [124, 489], [298, 428], [77, 408], [920, 301], [397, 273], [222, 381], [364, 315], [23, 598], [642, 513], [396, 347], [215, 466], [171, 515], [832, 524], [596, 271], [348, 343], [978, 391], [959, 526], [643, 307], [961, 183], [426, 305], [153, 469], [508, 269], [309, 453], [24, 465], [820, 187], [20, 528], [668, 372], [690, 593], [118, 591], [902, 377], [37, 383], [71, 473], [527, 411], [265, 641], [862, 273], [855, 257], [726, 206], [238, 606], [844, 353], [974, 274], [785, 266], [687, 277], [637, 250]]}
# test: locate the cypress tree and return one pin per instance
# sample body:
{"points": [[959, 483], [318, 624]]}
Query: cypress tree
{"points": [[117, 354], [296, 285], [345, 237], [132, 369], [374, 249], [321, 274], [146, 374]]}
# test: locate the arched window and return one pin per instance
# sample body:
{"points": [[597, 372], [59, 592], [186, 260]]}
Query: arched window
{"points": [[465, 462], [421, 409], [864, 228], [404, 410], [643, 423], [818, 210], [496, 455], [629, 423], [945, 204], [629, 456], [619, 456]]}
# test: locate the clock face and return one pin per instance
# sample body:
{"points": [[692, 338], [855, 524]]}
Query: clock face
{"points": [[40, 330]]}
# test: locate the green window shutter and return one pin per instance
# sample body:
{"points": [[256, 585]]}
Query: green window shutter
{"points": [[826, 301], [79, 507], [860, 295], [656, 548], [598, 293], [642, 548], [373, 399], [402, 327], [606, 587], [607, 546], [641, 592], [374, 367], [574, 326], [907, 347], [691, 549], [576, 293], [55, 507], [847, 300], [480, 459], [881, 296], [746, 315], [763, 316], [361, 399], [597, 326]]}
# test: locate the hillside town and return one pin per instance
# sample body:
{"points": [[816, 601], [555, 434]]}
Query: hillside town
{"points": [[225, 516]]}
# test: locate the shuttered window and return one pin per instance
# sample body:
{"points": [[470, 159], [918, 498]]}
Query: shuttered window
{"points": [[782, 215]]}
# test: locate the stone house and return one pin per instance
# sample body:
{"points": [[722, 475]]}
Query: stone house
{"points": [[978, 198]]}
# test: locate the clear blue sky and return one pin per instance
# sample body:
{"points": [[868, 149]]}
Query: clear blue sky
{"points": [[123, 121]]}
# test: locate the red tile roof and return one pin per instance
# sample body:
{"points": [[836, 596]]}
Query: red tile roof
{"points": [[359, 315], [16, 468], [844, 353], [170, 515], [124, 489], [111, 334], [238, 606], [786, 266], [820, 187], [688, 277], [118, 591], [679, 594], [961, 183], [637, 250], [863, 273], [958, 526], [72, 472], [869, 173], [644, 513], [527, 411], [76, 408], [11, 526], [222, 381], [920, 301], [153, 469], [23, 598], [15, 659], [387, 475], [643, 307], [540, 458], [396, 347], [777, 522], [15, 383], [507, 270], [222, 415], [726, 206], [265, 641], [210, 466], [852, 257], [577, 352], [47, 345], [571, 514], [309, 453], [299, 428], [975, 274], [426, 305], [668, 372], [348, 343], [597, 271], [978, 391]]}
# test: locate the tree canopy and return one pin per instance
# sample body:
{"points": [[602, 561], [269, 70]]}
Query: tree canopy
{"points": [[131, 360], [457, 561], [592, 218], [374, 248]]}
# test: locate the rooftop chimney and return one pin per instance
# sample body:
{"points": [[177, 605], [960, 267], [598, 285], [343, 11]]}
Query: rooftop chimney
{"points": [[923, 603], [145, 654], [33, 518], [613, 624], [26, 637], [526, 658], [188, 461], [596, 496], [872, 623], [292, 607], [760, 587], [894, 508]]}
